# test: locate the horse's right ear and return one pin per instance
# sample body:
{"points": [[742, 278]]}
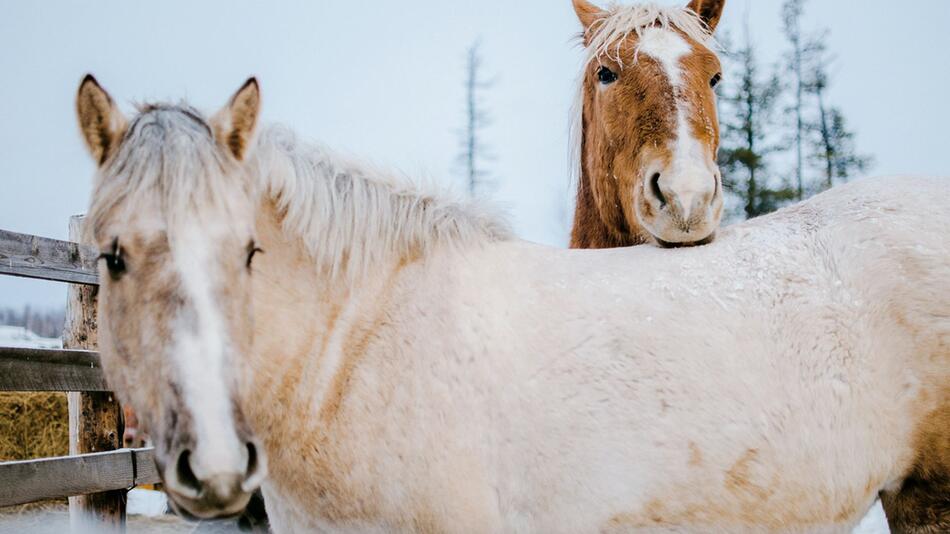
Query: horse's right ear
{"points": [[234, 125], [588, 14], [100, 121], [709, 11]]}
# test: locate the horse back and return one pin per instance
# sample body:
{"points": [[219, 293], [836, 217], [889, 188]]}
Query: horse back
{"points": [[906, 221]]}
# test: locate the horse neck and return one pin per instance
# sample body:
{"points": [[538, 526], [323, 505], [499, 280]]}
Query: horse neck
{"points": [[305, 317], [589, 230], [597, 225], [310, 332]]}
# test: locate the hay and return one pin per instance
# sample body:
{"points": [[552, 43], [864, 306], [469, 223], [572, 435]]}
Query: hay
{"points": [[33, 425]]}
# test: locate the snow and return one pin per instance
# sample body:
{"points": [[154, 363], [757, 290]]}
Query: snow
{"points": [[21, 338], [874, 522], [149, 503]]}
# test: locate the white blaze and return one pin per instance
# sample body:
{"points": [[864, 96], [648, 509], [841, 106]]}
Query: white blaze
{"points": [[689, 174], [200, 354]]}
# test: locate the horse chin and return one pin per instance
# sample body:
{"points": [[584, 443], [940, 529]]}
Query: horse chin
{"points": [[685, 244], [200, 509]]}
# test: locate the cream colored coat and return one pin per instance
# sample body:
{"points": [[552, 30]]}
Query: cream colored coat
{"points": [[776, 380], [402, 364]]}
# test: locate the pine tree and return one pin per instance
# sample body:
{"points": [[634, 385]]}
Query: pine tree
{"points": [[833, 149], [748, 107], [791, 15], [47, 323], [474, 154]]}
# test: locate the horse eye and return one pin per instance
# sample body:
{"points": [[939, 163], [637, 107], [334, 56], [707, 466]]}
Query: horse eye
{"points": [[606, 76], [715, 80], [114, 262], [252, 249]]}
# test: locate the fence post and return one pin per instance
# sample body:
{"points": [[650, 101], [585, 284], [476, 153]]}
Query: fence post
{"points": [[95, 418]]}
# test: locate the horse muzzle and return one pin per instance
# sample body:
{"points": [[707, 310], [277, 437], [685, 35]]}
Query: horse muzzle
{"points": [[219, 493], [680, 213]]}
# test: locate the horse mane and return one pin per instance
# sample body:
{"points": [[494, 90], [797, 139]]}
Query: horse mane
{"points": [[606, 37], [351, 216]]}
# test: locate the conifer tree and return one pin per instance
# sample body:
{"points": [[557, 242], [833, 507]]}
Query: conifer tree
{"points": [[747, 109]]}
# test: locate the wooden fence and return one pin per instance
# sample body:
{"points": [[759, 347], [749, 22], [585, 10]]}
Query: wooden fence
{"points": [[98, 472]]}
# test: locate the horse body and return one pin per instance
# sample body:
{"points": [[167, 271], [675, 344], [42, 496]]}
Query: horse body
{"points": [[760, 383], [395, 361]]}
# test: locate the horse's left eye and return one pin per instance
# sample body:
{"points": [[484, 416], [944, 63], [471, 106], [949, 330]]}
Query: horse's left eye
{"points": [[715, 80], [606, 76], [114, 262], [252, 249]]}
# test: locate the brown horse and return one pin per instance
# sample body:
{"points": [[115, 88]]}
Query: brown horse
{"points": [[647, 109], [648, 131]]}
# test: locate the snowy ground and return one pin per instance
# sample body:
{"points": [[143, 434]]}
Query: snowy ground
{"points": [[875, 522], [146, 515], [21, 338], [55, 522]]}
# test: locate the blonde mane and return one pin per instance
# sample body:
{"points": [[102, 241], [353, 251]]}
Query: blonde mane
{"points": [[609, 33], [352, 217], [349, 216]]}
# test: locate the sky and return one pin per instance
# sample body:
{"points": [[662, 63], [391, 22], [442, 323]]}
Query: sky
{"points": [[383, 81]]}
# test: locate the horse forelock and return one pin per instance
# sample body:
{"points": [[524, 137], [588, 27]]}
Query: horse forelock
{"points": [[608, 35], [168, 157]]}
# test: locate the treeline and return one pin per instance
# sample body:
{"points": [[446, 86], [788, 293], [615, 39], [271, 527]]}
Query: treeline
{"points": [[45, 323], [782, 140]]}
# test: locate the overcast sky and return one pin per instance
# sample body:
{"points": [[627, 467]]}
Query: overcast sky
{"points": [[383, 80]]}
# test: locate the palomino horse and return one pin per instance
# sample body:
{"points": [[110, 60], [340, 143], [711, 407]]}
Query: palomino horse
{"points": [[646, 131], [396, 361]]}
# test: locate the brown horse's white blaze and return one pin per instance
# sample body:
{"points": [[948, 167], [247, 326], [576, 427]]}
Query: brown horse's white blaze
{"points": [[650, 134], [198, 260]]}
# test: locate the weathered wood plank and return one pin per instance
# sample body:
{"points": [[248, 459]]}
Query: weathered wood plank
{"points": [[146, 472], [50, 370], [53, 478], [95, 418], [47, 259]]}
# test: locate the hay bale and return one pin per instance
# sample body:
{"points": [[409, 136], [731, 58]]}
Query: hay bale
{"points": [[33, 425]]}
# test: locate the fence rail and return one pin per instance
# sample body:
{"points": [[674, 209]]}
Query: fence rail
{"points": [[66, 476], [97, 472], [47, 259], [50, 370]]}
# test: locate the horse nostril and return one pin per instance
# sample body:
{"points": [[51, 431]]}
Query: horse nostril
{"points": [[186, 477], [256, 467], [655, 188], [251, 459]]}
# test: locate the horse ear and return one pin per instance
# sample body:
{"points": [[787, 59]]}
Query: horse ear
{"points": [[709, 11], [100, 121], [588, 14], [234, 125]]}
